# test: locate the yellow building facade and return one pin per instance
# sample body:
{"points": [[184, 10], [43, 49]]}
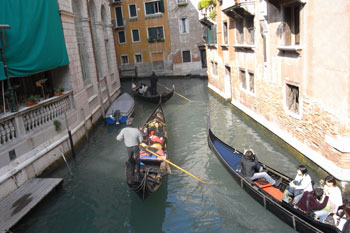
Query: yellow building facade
{"points": [[142, 37]]}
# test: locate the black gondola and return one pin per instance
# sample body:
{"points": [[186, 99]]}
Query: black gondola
{"points": [[154, 98], [152, 168], [267, 195]]}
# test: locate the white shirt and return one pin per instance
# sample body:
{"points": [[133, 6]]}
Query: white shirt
{"points": [[305, 182], [334, 195]]}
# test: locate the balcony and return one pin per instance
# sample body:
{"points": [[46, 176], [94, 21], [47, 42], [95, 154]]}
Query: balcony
{"points": [[112, 2], [22, 124], [238, 8], [278, 3]]}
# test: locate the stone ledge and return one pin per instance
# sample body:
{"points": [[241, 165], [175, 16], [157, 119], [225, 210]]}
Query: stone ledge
{"points": [[341, 144]]}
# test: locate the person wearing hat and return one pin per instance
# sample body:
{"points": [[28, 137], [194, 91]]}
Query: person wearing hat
{"points": [[132, 137]]}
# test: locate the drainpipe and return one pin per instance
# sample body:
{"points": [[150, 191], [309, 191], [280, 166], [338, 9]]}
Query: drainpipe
{"points": [[95, 58]]}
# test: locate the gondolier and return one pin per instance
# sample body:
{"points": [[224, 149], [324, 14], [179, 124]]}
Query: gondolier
{"points": [[132, 138], [154, 81]]}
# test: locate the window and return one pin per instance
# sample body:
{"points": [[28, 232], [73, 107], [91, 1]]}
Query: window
{"points": [[124, 59], [224, 31], [119, 17], [135, 35], [290, 28], [214, 68], [183, 25], [250, 29], [211, 34], [155, 32], [239, 31], [132, 11], [186, 56], [251, 82], [245, 30], [247, 81], [242, 79], [121, 37], [138, 58], [154, 7], [292, 98]]}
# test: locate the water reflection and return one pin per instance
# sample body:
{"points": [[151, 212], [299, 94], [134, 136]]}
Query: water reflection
{"points": [[148, 215]]}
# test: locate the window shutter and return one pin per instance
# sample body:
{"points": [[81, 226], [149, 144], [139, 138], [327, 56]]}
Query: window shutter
{"points": [[161, 6], [149, 8], [180, 26]]}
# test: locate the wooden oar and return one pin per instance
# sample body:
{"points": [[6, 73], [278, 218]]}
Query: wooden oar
{"points": [[175, 93], [144, 146]]}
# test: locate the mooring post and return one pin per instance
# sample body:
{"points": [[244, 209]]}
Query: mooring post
{"points": [[70, 136], [85, 126], [64, 158]]}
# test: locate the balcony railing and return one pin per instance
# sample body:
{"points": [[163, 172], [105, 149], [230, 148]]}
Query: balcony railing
{"points": [[15, 125]]}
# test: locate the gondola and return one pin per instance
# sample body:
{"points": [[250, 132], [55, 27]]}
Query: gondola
{"points": [[163, 97], [121, 109], [152, 168], [267, 195]]}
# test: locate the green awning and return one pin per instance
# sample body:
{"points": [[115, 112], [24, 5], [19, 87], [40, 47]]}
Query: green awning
{"points": [[35, 40]]}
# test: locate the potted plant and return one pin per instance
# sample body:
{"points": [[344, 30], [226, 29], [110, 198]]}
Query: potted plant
{"points": [[59, 91], [182, 4], [57, 125], [32, 100], [160, 39]]}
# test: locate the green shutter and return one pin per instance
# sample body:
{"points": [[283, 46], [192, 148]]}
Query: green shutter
{"points": [[161, 5], [149, 8], [35, 40]]}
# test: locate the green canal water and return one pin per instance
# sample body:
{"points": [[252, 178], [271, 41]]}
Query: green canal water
{"points": [[97, 199]]}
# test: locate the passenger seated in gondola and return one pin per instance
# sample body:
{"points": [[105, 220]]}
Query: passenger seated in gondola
{"points": [[158, 130], [159, 149], [133, 86], [342, 219], [335, 199], [142, 89], [301, 183], [251, 168], [143, 131], [311, 201]]}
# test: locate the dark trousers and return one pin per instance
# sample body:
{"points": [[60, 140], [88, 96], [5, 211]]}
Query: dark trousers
{"points": [[134, 157]]}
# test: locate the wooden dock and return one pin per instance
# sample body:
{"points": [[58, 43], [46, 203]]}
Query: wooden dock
{"points": [[25, 198]]}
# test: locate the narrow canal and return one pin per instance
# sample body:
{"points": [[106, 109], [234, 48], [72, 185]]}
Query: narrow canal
{"points": [[97, 199]]}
